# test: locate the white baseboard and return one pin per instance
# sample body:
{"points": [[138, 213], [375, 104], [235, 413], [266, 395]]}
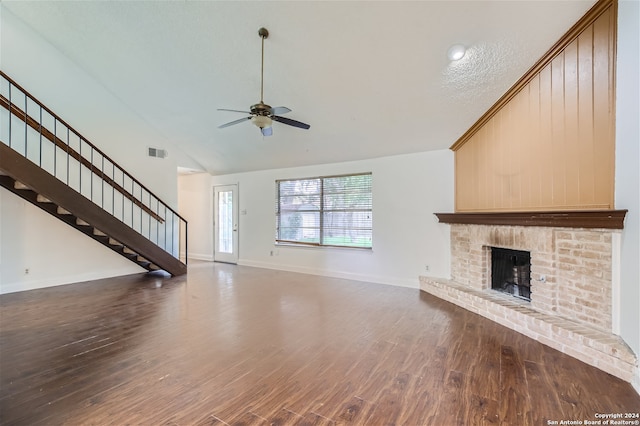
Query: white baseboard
{"points": [[200, 256], [44, 283], [398, 282]]}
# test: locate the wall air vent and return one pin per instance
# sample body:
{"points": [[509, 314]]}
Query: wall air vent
{"points": [[157, 152]]}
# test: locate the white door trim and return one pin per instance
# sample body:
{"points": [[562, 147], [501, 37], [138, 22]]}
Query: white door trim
{"points": [[225, 240]]}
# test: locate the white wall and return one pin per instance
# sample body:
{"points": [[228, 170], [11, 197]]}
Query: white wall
{"points": [[195, 204], [628, 172], [52, 251], [407, 190]]}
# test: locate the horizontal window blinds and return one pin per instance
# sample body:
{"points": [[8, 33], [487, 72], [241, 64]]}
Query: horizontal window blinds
{"points": [[327, 211]]}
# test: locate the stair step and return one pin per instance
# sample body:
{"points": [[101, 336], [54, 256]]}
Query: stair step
{"points": [[20, 185], [99, 233], [34, 184]]}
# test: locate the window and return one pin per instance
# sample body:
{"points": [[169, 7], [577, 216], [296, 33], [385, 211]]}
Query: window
{"points": [[325, 211]]}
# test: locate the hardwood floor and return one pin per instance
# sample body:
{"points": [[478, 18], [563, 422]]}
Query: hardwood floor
{"points": [[246, 346]]}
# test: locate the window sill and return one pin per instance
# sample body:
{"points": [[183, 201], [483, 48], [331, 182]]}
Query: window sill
{"points": [[318, 246]]}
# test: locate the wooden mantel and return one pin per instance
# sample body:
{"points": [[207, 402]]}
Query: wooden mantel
{"points": [[607, 219]]}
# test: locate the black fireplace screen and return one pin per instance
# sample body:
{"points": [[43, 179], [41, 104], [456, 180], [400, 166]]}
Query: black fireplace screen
{"points": [[511, 271]]}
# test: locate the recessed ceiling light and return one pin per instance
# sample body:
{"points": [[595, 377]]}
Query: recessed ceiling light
{"points": [[456, 52]]}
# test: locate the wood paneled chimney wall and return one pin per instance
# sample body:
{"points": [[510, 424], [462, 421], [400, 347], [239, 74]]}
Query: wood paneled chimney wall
{"points": [[548, 144]]}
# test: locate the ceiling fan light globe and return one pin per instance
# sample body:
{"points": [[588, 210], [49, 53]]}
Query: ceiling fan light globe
{"points": [[261, 121]]}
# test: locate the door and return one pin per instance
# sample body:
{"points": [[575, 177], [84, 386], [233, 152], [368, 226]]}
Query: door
{"points": [[225, 207]]}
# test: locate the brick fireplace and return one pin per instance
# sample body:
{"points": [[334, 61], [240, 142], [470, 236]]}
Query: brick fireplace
{"points": [[571, 282]]}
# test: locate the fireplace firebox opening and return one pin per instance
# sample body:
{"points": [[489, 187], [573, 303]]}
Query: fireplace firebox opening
{"points": [[511, 272]]}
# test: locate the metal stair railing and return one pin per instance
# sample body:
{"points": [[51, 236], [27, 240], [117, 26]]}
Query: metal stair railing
{"points": [[31, 129]]}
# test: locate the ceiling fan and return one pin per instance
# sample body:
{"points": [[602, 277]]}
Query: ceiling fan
{"points": [[261, 114]]}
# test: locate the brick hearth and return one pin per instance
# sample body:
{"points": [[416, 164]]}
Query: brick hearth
{"points": [[571, 288]]}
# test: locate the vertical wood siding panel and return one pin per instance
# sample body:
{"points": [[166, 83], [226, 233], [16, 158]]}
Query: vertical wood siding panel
{"points": [[483, 196], [520, 133], [534, 142], [485, 182], [611, 139], [557, 131], [546, 143], [488, 181], [551, 147], [474, 167], [511, 163], [496, 160], [523, 135], [526, 141], [459, 179], [512, 156], [483, 172], [602, 115], [498, 164], [473, 175], [585, 117], [517, 135], [573, 151], [504, 163]]}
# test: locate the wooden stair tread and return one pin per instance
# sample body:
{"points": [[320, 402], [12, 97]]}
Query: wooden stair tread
{"points": [[20, 185], [43, 199], [99, 233], [60, 210]]}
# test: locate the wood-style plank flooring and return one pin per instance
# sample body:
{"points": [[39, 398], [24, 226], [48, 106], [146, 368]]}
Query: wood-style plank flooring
{"points": [[234, 345]]}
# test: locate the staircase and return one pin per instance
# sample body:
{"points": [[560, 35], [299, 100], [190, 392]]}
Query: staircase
{"points": [[47, 163]]}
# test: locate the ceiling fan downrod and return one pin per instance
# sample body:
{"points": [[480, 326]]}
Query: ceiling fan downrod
{"points": [[263, 33]]}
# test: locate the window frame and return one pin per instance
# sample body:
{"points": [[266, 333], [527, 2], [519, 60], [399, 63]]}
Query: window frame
{"points": [[321, 212]]}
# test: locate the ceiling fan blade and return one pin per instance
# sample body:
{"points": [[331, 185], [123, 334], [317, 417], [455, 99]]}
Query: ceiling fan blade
{"points": [[231, 123], [233, 110], [267, 131], [280, 110], [291, 122]]}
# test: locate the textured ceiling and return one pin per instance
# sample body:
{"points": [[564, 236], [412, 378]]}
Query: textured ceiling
{"points": [[372, 78]]}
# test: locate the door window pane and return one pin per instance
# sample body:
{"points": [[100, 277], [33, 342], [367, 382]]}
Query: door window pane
{"points": [[225, 221]]}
